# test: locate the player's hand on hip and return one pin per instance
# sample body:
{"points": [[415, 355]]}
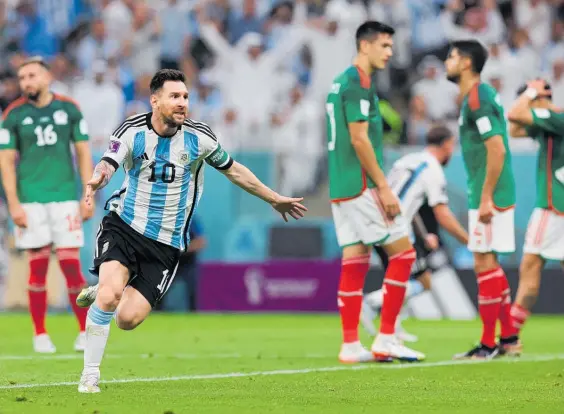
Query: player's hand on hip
{"points": [[432, 241], [485, 211], [86, 209], [289, 206], [18, 215], [390, 202]]}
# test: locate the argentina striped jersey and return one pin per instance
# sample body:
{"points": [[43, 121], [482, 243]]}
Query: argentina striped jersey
{"points": [[164, 176], [415, 178]]}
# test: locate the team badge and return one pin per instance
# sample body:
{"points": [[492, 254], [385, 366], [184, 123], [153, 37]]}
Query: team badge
{"points": [[184, 158], [60, 117]]}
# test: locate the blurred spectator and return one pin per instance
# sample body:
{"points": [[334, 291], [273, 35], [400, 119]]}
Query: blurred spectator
{"points": [[97, 45], [481, 23], [436, 91], [140, 102], [117, 16], [9, 89], [248, 22], [533, 16], [142, 48], [418, 124], [175, 35], [61, 74], [205, 100], [298, 140], [557, 82], [102, 104], [428, 33], [33, 31]]}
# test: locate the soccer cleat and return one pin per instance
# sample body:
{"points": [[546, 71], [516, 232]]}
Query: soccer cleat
{"points": [[511, 347], [43, 345], [80, 343], [89, 382], [388, 346], [367, 317], [479, 352], [87, 296], [355, 353], [403, 335]]}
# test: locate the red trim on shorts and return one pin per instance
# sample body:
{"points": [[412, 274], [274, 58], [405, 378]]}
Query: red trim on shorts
{"points": [[549, 178], [542, 227]]}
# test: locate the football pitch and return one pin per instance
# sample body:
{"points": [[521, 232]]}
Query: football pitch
{"points": [[275, 364]]}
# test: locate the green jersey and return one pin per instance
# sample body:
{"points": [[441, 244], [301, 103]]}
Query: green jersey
{"points": [[352, 99], [481, 118], [42, 136], [548, 130]]}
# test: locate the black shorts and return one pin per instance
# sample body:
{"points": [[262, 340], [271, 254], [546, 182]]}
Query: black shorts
{"points": [[420, 265], [152, 265]]}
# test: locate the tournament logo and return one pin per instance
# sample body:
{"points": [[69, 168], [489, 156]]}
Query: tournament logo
{"points": [[184, 158], [114, 146]]}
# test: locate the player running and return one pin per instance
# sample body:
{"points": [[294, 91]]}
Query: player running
{"points": [[365, 210], [41, 191], [139, 242], [534, 115], [417, 178], [491, 191]]}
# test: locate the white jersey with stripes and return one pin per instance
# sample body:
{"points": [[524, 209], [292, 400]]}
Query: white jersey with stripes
{"points": [[164, 176], [416, 178]]}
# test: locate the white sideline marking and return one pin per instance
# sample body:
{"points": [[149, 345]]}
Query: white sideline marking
{"points": [[529, 358]]}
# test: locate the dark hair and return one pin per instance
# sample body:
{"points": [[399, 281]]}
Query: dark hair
{"points": [[547, 87], [370, 29], [438, 135], [163, 76], [34, 59], [473, 49]]}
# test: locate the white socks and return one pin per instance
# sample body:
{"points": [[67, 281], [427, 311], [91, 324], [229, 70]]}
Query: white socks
{"points": [[97, 332]]}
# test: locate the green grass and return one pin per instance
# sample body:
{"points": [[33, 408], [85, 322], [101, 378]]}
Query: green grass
{"points": [[188, 345]]}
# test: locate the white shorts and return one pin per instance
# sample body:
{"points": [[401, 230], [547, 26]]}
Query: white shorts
{"points": [[362, 220], [496, 237], [545, 235], [51, 223]]}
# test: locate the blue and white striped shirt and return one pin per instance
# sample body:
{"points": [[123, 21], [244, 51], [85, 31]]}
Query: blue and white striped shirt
{"points": [[164, 176]]}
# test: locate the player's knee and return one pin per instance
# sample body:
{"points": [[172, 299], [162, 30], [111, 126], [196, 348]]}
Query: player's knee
{"points": [[484, 262], [425, 280], [108, 297], [128, 320], [530, 271]]}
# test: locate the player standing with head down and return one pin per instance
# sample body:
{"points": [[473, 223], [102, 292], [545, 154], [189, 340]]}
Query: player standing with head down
{"points": [[533, 115], [41, 191], [365, 210], [139, 242], [491, 191]]}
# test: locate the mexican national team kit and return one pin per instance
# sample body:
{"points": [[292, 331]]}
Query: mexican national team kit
{"points": [[481, 118], [48, 186], [545, 233], [353, 194]]}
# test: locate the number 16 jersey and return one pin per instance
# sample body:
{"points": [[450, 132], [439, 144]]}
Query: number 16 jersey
{"points": [[42, 137], [164, 176]]}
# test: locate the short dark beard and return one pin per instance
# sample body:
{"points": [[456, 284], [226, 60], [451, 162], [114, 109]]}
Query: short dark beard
{"points": [[34, 97], [445, 161], [453, 78]]}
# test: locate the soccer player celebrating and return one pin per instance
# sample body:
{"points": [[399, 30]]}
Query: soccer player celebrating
{"points": [[416, 178], [491, 191], [534, 115], [42, 199], [139, 242], [365, 210]]}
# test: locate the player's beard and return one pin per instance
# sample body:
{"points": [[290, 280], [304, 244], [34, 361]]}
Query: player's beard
{"points": [[170, 122], [453, 78], [34, 97], [445, 162]]}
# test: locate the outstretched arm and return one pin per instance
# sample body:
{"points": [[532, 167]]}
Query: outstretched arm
{"points": [[243, 177], [100, 178]]}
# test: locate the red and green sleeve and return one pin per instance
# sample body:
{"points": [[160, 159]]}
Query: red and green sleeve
{"points": [[488, 118], [547, 120], [356, 103]]}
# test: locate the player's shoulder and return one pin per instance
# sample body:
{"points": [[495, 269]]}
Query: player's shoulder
{"points": [[353, 78], [66, 102], [480, 95], [200, 129], [14, 108], [132, 125]]}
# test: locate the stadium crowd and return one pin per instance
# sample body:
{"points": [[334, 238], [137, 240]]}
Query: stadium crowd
{"points": [[259, 69]]}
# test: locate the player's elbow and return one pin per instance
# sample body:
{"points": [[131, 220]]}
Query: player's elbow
{"points": [[358, 141], [517, 115]]}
